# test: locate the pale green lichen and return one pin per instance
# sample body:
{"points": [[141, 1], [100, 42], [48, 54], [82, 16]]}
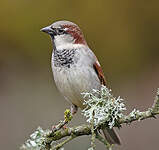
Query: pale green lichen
{"points": [[91, 148], [107, 108], [134, 114], [37, 140]]}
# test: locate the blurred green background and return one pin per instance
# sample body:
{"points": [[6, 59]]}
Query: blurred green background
{"points": [[123, 34]]}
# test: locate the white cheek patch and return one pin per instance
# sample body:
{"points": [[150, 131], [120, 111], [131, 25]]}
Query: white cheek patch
{"points": [[63, 40], [59, 40]]}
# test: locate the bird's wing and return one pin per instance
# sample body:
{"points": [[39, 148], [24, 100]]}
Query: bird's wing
{"points": [[110, 134], [99, 72]]}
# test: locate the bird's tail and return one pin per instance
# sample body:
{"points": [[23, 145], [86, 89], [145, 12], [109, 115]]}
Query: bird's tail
{"points": [[111, 136]]}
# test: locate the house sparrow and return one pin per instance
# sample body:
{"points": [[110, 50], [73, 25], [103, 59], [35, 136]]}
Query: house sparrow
{"points": [[75, 67]]}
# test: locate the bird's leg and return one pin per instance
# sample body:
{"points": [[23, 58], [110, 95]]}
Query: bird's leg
{"points": [[74, 109]]}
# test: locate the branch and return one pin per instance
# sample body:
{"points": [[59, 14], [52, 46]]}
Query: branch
{"points": [[93, 133], [46, 139], [58, 146], [136, 115]]}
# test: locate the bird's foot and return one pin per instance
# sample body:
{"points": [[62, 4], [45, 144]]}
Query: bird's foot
{"points": [[54, 127], [74, 109]]}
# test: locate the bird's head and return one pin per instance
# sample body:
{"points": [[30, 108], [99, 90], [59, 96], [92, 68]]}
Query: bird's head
{"points": [[65, 32]]}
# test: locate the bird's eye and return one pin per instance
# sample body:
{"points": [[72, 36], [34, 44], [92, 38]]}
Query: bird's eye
{"points": [[52, 28], [61, 31]]}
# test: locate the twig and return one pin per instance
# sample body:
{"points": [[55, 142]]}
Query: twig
{"points": [[155, 106], [67, 116], [101, 139], [77, 131], [93, 133], [58, 146], [150, 113]]}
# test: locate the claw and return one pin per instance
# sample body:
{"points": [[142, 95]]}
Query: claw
{"points": [[64, 127], [53, 127], [74, 109]]}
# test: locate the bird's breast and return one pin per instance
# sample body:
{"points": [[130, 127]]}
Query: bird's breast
{"points": [[72, 81]]}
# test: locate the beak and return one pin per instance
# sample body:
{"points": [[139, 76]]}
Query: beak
{"points": [[47, 30]]}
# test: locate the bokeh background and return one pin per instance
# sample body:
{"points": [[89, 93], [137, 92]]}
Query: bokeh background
{"points": [[123, 34]]}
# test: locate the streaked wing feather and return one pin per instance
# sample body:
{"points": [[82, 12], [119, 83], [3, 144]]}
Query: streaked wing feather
{"points": [[99, 72]]}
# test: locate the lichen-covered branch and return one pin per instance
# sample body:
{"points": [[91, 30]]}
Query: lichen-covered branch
{"points": [[93, 136], [47, 139], [137, 115]]}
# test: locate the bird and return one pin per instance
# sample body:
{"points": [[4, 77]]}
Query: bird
{"points": [[75, 67]]}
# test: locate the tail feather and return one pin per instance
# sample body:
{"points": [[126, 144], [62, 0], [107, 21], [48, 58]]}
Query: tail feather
{"points": [[111, 136]]}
